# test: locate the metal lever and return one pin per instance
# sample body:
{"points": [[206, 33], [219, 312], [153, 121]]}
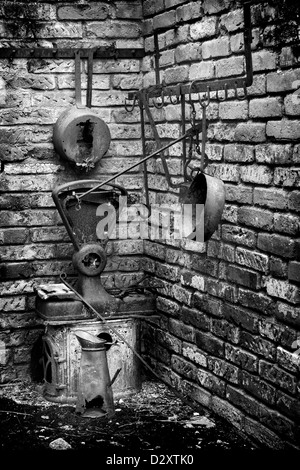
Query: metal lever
{"points": [[78, 79]]}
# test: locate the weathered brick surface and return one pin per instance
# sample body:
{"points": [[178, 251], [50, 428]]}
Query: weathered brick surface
{"points": [[241, 358], [257, 345], [244, 277], [277, 244], [258, 388], [278, 376]]}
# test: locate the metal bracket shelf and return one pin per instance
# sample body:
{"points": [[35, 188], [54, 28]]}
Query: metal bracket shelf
{"points": [[202, 86], [69, 53]]}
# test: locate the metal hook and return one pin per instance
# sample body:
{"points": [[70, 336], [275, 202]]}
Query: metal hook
{"points": [[129, 108], [190, 92], [162, 97], [204, 102], [193, 111], [177, 100], [225, 93], [241, 97]]}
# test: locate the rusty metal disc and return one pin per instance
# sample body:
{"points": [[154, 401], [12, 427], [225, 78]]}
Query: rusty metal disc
{"points": [[81, 137]]}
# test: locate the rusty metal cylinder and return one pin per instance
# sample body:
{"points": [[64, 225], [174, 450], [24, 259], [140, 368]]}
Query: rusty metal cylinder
{"points": [[80, 136], [95, 396]]}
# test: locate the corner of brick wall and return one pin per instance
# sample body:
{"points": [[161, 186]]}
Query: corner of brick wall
{"points": [[230, 309], [34, 245]]}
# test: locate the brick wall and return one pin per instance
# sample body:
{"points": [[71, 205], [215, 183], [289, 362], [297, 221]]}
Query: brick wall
{"points": [[34, 245], [230, 308]]}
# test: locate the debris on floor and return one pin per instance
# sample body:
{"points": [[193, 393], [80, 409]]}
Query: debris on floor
{"points": [[151, 420]]}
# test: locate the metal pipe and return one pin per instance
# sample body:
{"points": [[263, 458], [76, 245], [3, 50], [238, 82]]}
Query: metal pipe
{"points": [[156, 57], [189, 132], [144, 154]]}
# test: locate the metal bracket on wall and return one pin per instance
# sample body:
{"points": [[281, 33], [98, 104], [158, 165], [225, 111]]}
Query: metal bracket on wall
{"points": [[108, 52], [201, 86]]}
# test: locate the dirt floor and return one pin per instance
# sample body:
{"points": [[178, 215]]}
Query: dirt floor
{"points": [[152, 422]]}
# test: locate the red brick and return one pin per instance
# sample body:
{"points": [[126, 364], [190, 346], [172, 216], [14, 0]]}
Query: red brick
{"points": [[227, 411], [225, 330], [211, 382], [198, 394], [239, 193], [288, 314], [192, 353], [258, 218], [240, 317], [277, 244], [189, 12], [260, 434], [204, 28], [288, 406], [287, 176], [243, 401], [238, 153], [207, 342], [264, 60], [236, 110], [294, 201], [130, 10], [12, 236], [195, 318], [181, 330], [259, 174], [274, 154], [168, 306], [277, 376], [164, 20], [288, 360], [241, 358], [238, 235], [294, 271], [224, 369], [206, 304], [90, 12], [204, 265], [265, 107], [256, 301], [221, 289], [215, 48], [286, 129], [182, 295], [184, 368], [175, 74], [202, 71], [283, 290], [282, 80], [152, 6], [233, 20], [277, 332], [278, 268], [257, 345], [229, 67], [215, 6], [244, 277], [259, 388], [187, 52], [272, 198], [252, 259], [286, 223]]}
